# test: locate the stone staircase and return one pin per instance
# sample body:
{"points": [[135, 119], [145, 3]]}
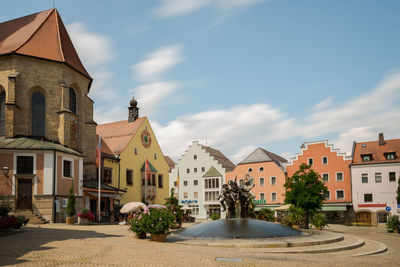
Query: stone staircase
{"points": [[33, 218]]}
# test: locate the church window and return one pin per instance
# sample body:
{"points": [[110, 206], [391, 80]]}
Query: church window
{"points": [[2, 113], [72, 100], [38, 114], [24, 165]]}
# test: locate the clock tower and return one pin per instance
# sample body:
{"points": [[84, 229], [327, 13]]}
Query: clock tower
{"points": [[133, 110]]}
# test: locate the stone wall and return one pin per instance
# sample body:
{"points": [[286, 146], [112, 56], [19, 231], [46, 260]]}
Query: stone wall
{"points": [[21, 76]]}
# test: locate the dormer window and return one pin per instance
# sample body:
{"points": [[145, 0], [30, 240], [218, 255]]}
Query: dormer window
{"points": [[390, 155], [366, 157]]}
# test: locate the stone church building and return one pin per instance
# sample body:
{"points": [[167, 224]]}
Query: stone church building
{"points": [[47, 132]]}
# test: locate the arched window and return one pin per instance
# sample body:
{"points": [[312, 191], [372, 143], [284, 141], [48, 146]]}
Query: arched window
{"points": [[72, 100], [2, 113], [38, 114]]}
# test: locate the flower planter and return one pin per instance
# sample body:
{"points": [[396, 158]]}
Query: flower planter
{"points": [[296, 226], [158, 237], [70, 220], [83, 221], [140, 235]]}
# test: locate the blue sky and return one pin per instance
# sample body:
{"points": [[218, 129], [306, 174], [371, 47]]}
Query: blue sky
{"points": [[240, 73]]}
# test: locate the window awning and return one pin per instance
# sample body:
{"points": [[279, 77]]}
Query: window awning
{"points": [[334, 208], [95, 194], [152, 169]]}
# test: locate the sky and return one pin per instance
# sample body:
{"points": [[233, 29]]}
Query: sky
{"points": [[240, 74]]}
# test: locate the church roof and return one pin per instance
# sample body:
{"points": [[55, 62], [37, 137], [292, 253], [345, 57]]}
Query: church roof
{"points": [[262, 155], [212, 172], [24, 143], [118, 134], [41, 35], [218, 156]]}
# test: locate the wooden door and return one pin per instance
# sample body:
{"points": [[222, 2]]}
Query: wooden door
{"points": [[24, 198], [363, 217]]}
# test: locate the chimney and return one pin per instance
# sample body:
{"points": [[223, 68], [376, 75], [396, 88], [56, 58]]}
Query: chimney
{"points": [[381, 139], [133, 110]]}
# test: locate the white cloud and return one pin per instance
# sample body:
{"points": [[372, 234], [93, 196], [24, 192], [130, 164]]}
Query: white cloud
{"points": [[237, 130], [170, 8], [226, 4], [323, 104], [95, 51], [158, 62], [151, 96], [110, 113]]}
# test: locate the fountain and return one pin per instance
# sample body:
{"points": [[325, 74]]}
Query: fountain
{"points": [[237, 199]]}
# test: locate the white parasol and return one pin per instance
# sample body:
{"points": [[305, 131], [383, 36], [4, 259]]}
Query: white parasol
{"points": [[132, 206]]}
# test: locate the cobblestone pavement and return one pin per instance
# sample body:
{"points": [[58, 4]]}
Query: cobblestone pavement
{"points": [[113, 245]]}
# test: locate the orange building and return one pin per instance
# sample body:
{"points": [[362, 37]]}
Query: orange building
{"points": [[333, 167], [268, 171]]}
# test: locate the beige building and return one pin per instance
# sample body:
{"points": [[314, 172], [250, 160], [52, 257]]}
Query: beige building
{"points": [[47, 132]]}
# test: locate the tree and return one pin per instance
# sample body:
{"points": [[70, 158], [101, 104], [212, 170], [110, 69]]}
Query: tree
{"points": [[398, 193], [71, 203], [305, 190]]}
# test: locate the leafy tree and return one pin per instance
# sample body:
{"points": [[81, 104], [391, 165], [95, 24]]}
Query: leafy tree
{"points": [[305, 190], [398, 193], [172, 203], [71, 203]]}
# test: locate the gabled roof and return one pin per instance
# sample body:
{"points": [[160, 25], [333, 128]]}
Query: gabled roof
{"points": [[212, 172], [24, 143], [262, 155], [377, 151], [105, 149], [42, 35], [170, 162], [218, 156], [118, 134]]}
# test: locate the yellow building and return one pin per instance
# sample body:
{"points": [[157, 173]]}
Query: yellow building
{"points": [[133, 141]]}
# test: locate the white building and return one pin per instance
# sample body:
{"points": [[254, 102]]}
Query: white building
{"points": [[201, 172], [375, 171]]}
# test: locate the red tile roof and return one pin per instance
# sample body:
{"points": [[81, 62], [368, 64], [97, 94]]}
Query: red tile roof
{"points": [[377, 151], [105, 149], [221, 158], [170, 162], [118, 134], [42, 35]]}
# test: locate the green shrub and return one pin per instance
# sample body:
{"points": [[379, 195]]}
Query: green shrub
{"points": [[5, 208], [71, 203], [393, 222], [160, 220], [266, 214], [296, 215], [215, 216], [319, 221]]}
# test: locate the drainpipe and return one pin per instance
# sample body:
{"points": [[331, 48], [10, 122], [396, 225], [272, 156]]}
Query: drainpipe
{"points": [[54, 186], [119, 172]]}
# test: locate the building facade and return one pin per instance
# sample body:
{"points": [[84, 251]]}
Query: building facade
{"points": [[134, 143], [333, 167], [269, 173], [375, 171], [198, 176], [46, 117]]}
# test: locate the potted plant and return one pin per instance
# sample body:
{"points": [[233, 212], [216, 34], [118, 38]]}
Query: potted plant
{"points": [[393, 224], [71, 207], [138, 222], [319, 221], [172, 205], [160, 219], [7, 223], [266, 214], [296, 216], [215, 216], [85, 217]]}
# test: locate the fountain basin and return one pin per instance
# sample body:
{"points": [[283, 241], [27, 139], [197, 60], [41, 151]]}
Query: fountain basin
{"points": [[239, 228]]}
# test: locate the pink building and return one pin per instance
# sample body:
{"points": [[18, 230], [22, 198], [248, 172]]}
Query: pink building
{"points": [[333, 167]]}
